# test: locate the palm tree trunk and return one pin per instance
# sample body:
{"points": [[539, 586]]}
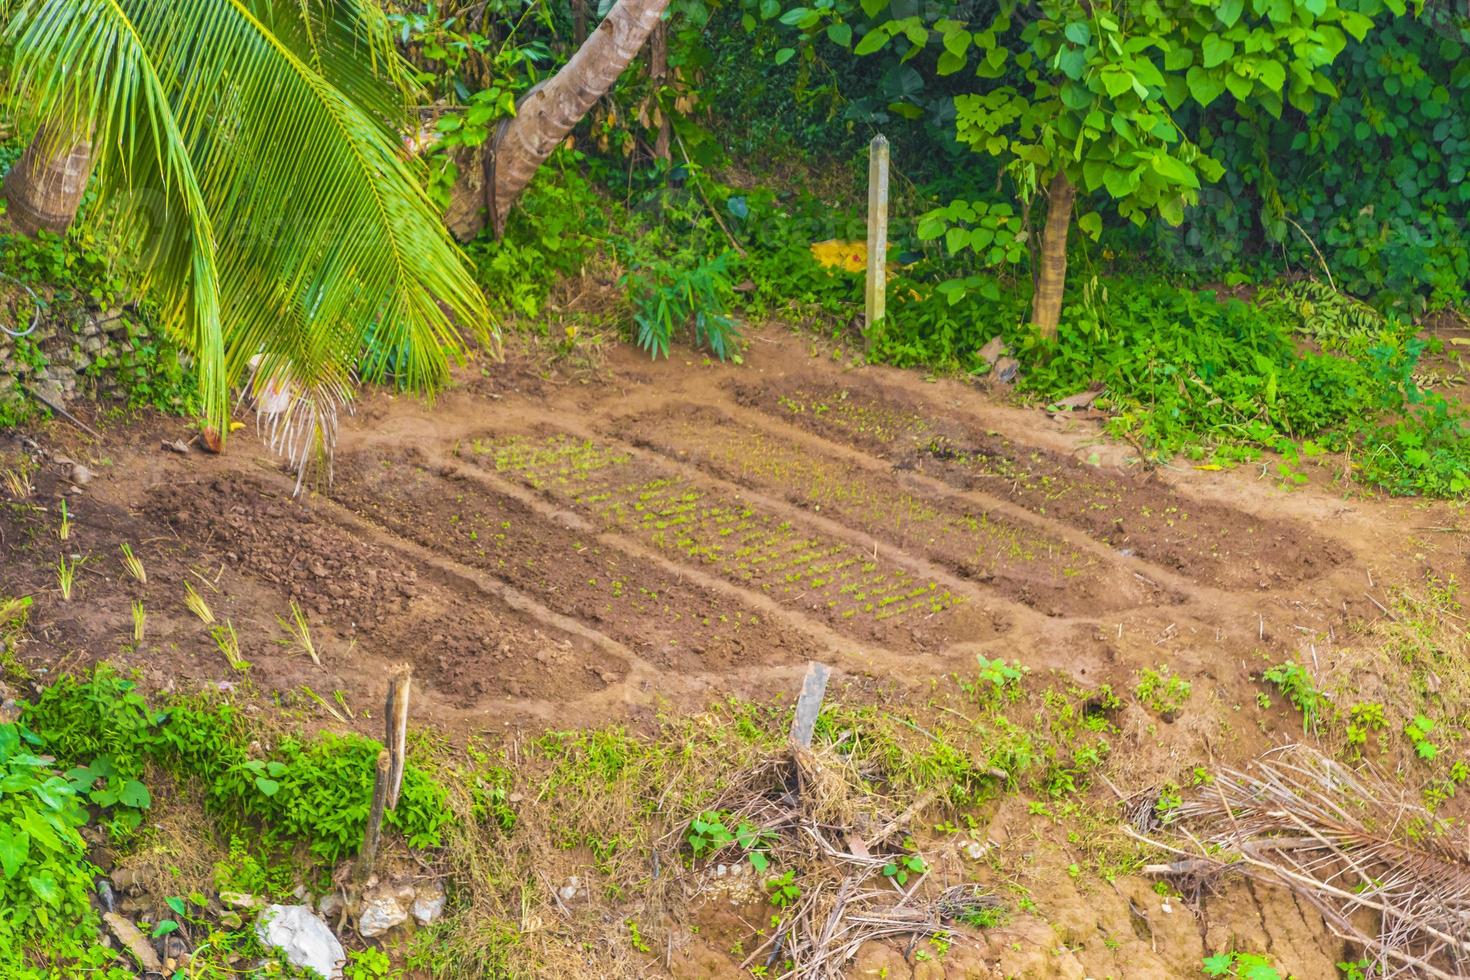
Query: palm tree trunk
{"points": [[44, 189], [549, 113], [1046, 304]]}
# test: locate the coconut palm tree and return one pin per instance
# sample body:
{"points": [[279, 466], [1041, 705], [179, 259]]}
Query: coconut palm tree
{"points": [[248, 155]]}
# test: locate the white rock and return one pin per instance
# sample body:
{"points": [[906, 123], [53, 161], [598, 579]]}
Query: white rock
{"points": [[241, 900], [383, 908], [307, 942], [428, 903]]}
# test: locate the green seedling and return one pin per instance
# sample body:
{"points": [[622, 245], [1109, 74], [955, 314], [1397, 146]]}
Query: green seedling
{"points": [[133, 564], [197, 605]]}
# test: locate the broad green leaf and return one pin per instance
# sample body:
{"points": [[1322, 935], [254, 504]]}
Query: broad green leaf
{"points": [[871, 41], [135, 794], [45, 887], [1216, 51], [949, 63], [15, 847], [1078, 32], [1175, 170], [1091, 224], [770, 9], [267, 786], [784, 55], [1229, 11], [1271, 74], [1204, 85], [794, 16], [840, 34]]}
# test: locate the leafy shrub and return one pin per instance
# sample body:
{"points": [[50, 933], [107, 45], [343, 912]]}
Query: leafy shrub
{"points": [[1297, 686], [47, 878], [315, 791]]}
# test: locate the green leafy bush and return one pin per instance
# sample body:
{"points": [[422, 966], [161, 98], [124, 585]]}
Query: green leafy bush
{"points": [[47, 877], [316, 791]]}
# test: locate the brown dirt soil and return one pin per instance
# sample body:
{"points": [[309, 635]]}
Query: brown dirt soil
{"points": [[529, 581]]}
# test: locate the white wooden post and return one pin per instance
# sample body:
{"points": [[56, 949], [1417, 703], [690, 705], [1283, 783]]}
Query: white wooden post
{"points": [[877, 286]]}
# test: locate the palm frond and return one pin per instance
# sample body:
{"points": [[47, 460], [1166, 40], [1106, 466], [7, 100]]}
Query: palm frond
{"points": [[272, 127], [81, 68]]}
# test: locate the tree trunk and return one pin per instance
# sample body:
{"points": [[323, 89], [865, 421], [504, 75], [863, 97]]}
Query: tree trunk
{"points": [[1046, 304], [44, 189], [658, 73], [579, 20], [549, 113]]}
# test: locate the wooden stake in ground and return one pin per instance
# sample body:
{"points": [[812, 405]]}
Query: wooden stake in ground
{"points": [[876, 295], [809, 704], [368, 856], [395, 714]]}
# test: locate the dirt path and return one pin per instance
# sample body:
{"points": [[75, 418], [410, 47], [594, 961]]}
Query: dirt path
{"points": [[559, 553]]}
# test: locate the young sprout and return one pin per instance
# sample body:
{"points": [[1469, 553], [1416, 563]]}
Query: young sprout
{"points": [[229, 644], [66, 573], [139, 618], [133, 564], [11, 610], [18, 480], [300, 632], [318, 699], [64, 531], [341, 699], [197, 605]]}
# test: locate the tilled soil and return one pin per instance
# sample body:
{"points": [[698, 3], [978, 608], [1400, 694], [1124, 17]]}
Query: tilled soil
{"points": [[547, 553]]}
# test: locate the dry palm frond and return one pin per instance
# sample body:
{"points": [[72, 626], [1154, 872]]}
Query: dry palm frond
{"points": [[1380, 868], [300, 424]]}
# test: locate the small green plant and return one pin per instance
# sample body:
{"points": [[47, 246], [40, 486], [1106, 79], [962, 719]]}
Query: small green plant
{"points": [[899, 870], [635, 937], [997, 673], [197, 605], [1417, 732], [66, 574], [1247, 966], [228, 643], [1162, 692], [708, 834], [133, 564], [1297, 686], [300, 632], [686, 292], [369, 964], [783, 889], [140, 618], [106, 787], [1364, 719], [64, 531]]}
